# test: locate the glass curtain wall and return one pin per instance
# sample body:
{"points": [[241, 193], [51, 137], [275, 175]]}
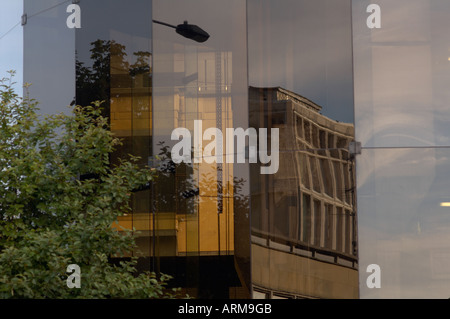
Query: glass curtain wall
{"points": [[113, 65], [303, 225], [252, 129], [402, 76], [200, 90], [107, 58]]}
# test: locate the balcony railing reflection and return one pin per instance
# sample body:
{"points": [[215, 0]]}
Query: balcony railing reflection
{"points": [[286, 244]]}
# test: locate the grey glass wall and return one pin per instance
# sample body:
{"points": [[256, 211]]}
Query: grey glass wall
{"points": [[402, 76], [97, 51], [249, 130]]}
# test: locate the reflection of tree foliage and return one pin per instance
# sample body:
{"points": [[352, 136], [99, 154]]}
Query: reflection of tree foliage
{"points": [[109, 68], [187, 192], [175, 188], [141, 65], [109, 74], [93, 83]]}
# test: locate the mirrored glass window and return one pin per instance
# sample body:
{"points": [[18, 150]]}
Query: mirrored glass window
{"points": [[199, 92], [114, 64], [404, 221], [402, 73], [301, 91]]}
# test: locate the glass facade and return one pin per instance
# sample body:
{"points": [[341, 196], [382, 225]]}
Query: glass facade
{"points": [[200, 90], [263, 191], [113, 64], [402, 75], [303, 224]]}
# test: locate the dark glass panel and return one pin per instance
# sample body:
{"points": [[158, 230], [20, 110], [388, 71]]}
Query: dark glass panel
{"points": [[113, 65]]}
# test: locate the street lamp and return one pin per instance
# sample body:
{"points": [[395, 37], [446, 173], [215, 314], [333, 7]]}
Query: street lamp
{"points": [[190, 31]]}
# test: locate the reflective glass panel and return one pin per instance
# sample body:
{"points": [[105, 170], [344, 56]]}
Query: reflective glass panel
{"points": [[199, 91], [404, 221], [402, 73], [401, 109], [303, 212], [114, 65]]}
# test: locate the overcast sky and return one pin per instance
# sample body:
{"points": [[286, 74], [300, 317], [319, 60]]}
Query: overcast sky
{"points": [[11, 40], [11, 43]]}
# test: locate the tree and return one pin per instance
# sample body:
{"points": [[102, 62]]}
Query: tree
{"points": [[51, 218]]}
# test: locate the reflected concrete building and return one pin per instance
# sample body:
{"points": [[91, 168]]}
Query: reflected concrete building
{"points": [[304, 241]]}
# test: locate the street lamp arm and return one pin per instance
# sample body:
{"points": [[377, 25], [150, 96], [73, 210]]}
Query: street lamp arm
{"points": [[190, 31], [163, 23]]}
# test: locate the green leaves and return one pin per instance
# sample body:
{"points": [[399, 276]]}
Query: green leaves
{"points": [[59, 198]]}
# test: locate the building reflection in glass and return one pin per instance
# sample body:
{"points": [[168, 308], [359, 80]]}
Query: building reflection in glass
{"points": [[204, 201], [114, 65], [194, 222], [304, 216]]}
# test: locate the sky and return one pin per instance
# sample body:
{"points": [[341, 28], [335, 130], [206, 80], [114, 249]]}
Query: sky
{"points": [[11, 41]]}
